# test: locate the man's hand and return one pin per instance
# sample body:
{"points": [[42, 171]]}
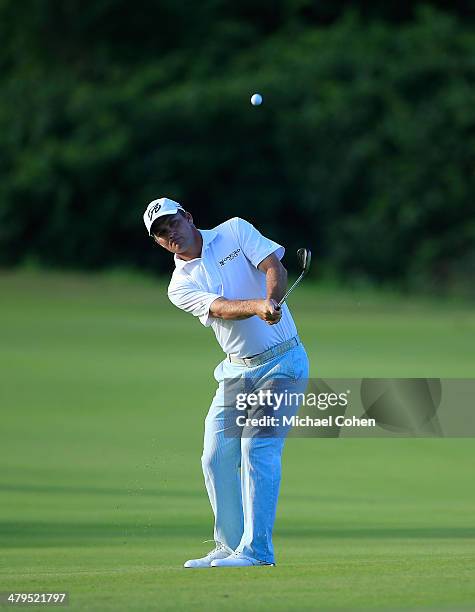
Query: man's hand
{"points": [[268, 311]]}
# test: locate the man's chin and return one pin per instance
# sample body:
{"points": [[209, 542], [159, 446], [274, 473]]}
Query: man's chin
{"points": [[178, 250]]}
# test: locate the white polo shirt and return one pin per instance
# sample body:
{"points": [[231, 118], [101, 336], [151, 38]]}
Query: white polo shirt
{"points": [[228, 268]]}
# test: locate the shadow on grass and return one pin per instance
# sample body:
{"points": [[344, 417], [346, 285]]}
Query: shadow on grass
{"points": [[412, 533], [20, 534], [81, 490], [24, 534]]}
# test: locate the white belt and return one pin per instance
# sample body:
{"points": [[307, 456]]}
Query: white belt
{"points": [[275, 351]]}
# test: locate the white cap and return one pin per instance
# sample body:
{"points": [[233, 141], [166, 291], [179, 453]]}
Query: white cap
{"points": [[159, 208]]}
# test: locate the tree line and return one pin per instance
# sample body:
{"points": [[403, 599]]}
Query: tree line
{"points": [[363, 148]]}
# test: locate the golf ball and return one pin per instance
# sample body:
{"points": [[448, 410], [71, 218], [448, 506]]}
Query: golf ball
{"points": [[256, 99]]}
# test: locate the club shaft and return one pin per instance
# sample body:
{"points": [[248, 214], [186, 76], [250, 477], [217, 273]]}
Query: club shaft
{"points": [[289, 291]]}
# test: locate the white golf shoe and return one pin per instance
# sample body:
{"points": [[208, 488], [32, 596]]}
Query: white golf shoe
{"points": [[219, 552], [237, 560]]}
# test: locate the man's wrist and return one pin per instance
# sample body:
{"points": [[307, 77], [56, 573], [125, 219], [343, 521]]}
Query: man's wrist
{"points": [[253, 306]]}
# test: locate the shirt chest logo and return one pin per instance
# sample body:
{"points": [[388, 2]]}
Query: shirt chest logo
{"points": [[229, 257]]}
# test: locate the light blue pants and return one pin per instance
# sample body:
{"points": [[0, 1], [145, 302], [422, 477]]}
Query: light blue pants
{"points": [[242, 474]]}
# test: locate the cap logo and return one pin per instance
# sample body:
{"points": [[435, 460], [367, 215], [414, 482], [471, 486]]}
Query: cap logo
{"points": [[154, 210]]}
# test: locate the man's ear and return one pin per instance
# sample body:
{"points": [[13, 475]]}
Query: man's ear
{"points": [[189, 217]]}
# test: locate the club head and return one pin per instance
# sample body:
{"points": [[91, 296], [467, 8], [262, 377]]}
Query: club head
{"points": [[304, 257]]}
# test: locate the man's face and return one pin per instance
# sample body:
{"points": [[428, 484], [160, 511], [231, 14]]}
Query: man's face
{"points": [[175, 232]]}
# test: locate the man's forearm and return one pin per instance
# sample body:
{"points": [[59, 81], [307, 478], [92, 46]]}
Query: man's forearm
{"points": [[276, 283], [233, 309], [222, 308]]}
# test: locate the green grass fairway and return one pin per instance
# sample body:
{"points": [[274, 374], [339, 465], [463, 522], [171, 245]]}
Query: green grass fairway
{"points": [[104, 388]]}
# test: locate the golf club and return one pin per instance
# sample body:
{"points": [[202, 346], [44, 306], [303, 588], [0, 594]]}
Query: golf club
{"points": [[304, 257]]}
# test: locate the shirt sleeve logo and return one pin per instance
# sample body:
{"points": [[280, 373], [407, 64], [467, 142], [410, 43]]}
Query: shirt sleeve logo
{"points": [[229, 257], [154, 209]]}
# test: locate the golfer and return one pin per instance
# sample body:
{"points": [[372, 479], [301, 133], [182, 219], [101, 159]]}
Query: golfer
{"points": [[231, 278]]}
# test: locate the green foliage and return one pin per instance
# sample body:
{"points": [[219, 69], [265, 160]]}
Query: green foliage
{"points": [[363, 148]]}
